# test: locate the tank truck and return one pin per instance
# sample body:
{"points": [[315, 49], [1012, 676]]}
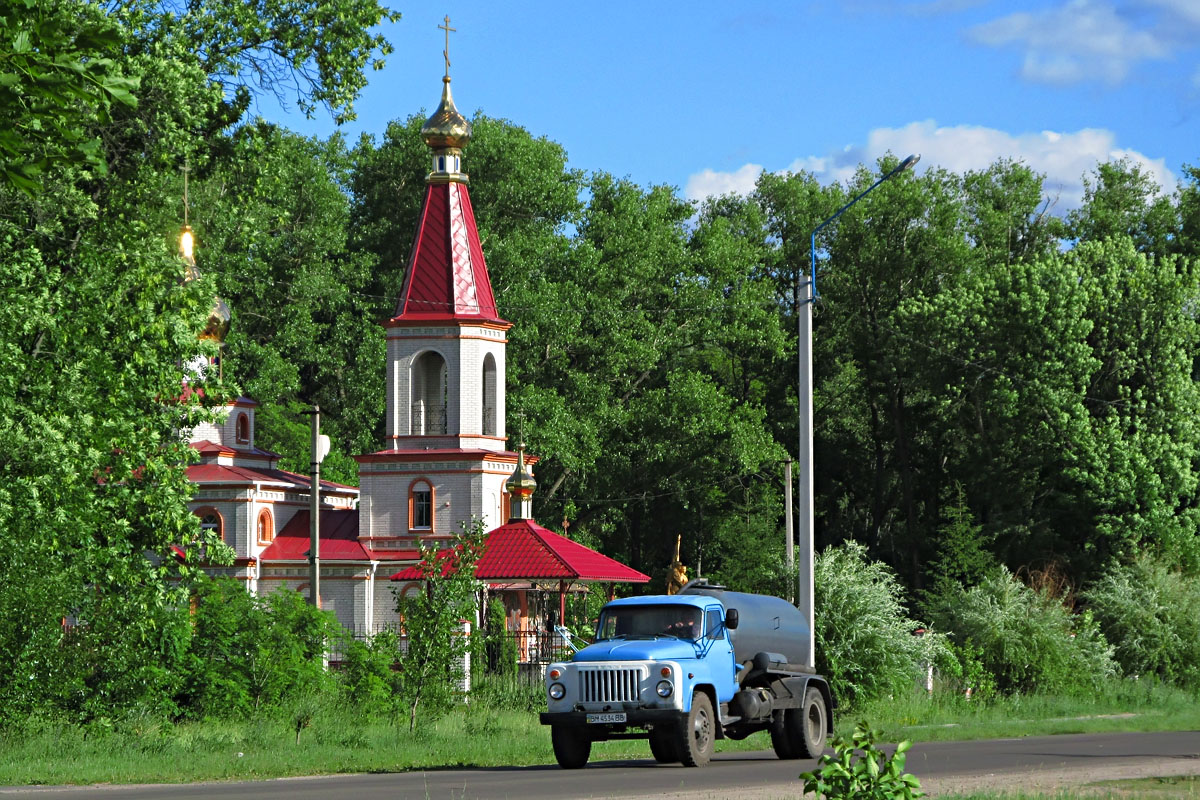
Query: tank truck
{"points": [[686, 669]]}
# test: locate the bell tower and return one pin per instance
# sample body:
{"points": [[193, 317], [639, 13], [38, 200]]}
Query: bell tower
{"points": [[445, 459]]}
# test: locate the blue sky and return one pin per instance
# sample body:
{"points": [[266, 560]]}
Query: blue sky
{"points": [[705, 95]]}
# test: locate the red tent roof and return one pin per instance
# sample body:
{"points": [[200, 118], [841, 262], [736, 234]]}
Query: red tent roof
{"points": [[524, 550], [447, 278]]}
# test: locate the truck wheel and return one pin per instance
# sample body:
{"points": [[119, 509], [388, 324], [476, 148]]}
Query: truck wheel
{"points": [[800, 732], [809, 727], [662, 745], [694, 738], [781, 740], [571, 746]]}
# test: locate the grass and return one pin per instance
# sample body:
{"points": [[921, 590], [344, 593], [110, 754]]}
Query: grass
{"points": [[344, 740], [1139, 789], [1121, 705]]}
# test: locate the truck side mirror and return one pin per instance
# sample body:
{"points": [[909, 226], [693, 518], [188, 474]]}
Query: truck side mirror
{"points": [[731, 619]]}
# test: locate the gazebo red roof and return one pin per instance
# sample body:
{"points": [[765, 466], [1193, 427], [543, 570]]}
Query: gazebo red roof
{"points": [[522, 550]]}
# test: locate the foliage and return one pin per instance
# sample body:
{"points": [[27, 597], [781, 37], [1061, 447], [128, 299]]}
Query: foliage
{"points": [[500, 648], [248, 654], [859, 769], [1027, 638], [369, 677], [864, 637], [59, 75], [1150, 612], [962, 557], [431, 667]]}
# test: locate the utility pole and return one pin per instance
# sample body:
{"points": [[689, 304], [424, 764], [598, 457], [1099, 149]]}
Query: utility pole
{"points": [[805, 451], [320, 449], [791, 533]]}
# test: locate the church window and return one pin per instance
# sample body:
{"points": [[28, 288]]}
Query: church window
{"points": [[210, 520], [266, 527], [441, 163], [505, 507], [420, 506], [243, 429], [429, 395], [489, 396]]}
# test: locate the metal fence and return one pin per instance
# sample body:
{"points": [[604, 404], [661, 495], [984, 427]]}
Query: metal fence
{"points": [[533, 649]]}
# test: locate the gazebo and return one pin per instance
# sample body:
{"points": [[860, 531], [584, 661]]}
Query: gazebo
{"points": [[521, 557]]}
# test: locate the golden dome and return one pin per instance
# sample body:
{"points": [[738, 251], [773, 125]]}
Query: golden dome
{"points": [[219, 318], [446, 129]]}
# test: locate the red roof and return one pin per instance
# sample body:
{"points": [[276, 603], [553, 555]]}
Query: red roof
{"points": [[209, 448], [219, 473], [524, 550], [339, 538], [447, 278]]}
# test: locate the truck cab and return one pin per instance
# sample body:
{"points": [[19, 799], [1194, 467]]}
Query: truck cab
{"points": [[666, 668]]}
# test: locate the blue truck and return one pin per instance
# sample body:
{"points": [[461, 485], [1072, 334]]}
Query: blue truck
{"points": [[687, 669]]}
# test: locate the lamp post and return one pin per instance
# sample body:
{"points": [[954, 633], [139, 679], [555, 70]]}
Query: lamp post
{"points": [[805, 454], [320, 449]]}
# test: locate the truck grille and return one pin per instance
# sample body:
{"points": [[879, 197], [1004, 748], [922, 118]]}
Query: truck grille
{"points": [[610, 685]]}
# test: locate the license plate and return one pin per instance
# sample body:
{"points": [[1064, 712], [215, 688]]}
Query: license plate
{"points": [[603, 718]]}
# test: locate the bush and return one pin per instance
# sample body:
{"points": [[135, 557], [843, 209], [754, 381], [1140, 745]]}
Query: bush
{"points": [[368, 677], [859, 770], [1027, 639], [508, 693], [501, 648], [248, 653], [864, 637], [1151, 614]]}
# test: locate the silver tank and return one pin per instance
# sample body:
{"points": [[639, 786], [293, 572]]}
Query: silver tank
{"points": [[765, 623]]}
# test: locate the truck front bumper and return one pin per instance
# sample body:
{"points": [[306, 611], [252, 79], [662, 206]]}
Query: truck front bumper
{"points": [[633, 717]]}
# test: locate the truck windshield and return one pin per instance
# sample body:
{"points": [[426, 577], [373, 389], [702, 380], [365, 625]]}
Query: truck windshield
{"points": [[634, 622]]}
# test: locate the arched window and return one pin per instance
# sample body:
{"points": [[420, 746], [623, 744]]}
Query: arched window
{"points": [[243, 429], [429, 378], [210, 520], [266, 527], [420, 506], [505, 508], [489, 395]]}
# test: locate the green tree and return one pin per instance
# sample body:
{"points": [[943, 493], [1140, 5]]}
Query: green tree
{"points": [[433, 617], [92, 396]]}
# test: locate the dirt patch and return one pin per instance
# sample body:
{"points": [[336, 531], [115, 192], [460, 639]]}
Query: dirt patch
{"points": [[1049, 781]]}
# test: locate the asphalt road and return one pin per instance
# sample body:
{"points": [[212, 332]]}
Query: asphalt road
{"points": [[731, 775]]}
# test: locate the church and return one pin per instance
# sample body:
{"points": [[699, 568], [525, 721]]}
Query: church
{"points": [[445, 459]]}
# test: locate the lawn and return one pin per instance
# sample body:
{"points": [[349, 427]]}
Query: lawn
{"points": [[344, 740]]}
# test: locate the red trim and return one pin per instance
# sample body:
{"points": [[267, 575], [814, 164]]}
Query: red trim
{"points": [[269, 527]]}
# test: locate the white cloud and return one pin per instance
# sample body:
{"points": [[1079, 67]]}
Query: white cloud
{"points": [[1082, 40], [1062, 157], [709, 183]]}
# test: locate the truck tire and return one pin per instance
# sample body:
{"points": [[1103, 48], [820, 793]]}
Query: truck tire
{"points": [[662, 745], [800, 732], [694, 738], [812, 719], [781, 740], [571, 746]]}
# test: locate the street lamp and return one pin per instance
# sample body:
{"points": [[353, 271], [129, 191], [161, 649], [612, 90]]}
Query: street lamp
{"points": [[805, 455]]}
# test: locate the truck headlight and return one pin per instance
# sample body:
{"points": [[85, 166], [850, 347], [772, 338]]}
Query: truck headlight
{"points": [[557, 691], [664, 688]]}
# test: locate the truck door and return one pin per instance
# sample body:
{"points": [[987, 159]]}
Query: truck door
{"points": [[720, 653]]}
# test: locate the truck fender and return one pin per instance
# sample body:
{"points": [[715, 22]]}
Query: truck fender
{"points": [[822, 685]]}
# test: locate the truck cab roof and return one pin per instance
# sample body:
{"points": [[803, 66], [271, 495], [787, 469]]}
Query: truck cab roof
{"points": [[695, 600]]}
